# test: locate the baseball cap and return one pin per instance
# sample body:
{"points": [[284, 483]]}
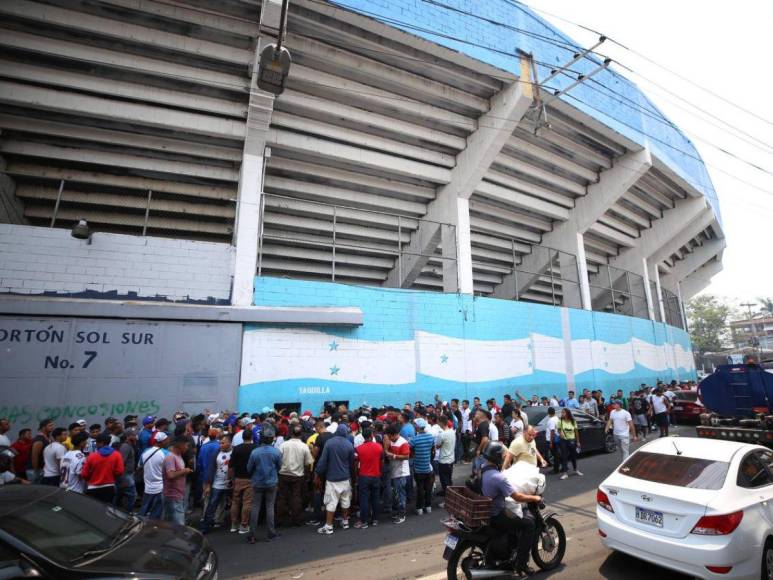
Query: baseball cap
{"points": [[130, 432], [162, 421], [81, 422], [268, 432], [245, 421], [148, 420], [421, 423], [161, 436]]}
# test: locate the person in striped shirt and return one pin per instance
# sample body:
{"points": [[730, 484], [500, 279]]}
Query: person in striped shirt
{"points": [[422, 446]]}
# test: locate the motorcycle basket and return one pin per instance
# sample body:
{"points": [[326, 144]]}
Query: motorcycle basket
{"points": [[467, 506]]}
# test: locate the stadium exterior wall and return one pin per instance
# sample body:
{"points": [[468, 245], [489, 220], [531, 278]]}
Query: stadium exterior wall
{"points": [[414, 344]]}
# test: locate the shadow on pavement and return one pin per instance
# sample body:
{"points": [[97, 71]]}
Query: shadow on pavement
{"points": [[636, 569]]}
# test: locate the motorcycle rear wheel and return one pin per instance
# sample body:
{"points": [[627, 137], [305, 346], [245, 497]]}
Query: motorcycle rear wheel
{"points": [[550, 546], [455, 569]]}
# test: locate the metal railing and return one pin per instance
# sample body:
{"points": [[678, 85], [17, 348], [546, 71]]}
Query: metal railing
{"points": [[618, 291], [343, 229]]}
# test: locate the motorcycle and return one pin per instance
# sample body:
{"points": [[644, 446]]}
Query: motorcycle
{"points": [[483, 552]]}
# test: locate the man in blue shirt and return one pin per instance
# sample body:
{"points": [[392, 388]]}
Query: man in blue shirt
{"points": [[422, 446], [143, 440], [496, 486], [336, 466], [571, 402], [263, 466]]}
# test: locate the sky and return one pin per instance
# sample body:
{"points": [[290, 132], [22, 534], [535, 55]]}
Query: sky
{"points": [[728, 49]]}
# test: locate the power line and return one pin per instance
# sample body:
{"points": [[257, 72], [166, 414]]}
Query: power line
{"points": [[515, 3]]}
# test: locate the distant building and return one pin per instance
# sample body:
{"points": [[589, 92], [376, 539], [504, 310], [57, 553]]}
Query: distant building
{"points": [[755, 332]]}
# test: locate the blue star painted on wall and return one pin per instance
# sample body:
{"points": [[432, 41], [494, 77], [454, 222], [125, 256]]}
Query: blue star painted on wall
{"points": [[333, 345], [443, 359], [334, 370]]}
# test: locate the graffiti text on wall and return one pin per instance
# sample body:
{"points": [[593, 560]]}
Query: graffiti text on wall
{"points": [[29, 414]]}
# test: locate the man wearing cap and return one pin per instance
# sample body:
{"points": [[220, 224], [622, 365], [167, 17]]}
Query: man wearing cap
{"points": [[263, 466], [102, 469], [151, 463], [162, 426], [423, 444], [245, 424], [125, 491], [143, 439]]}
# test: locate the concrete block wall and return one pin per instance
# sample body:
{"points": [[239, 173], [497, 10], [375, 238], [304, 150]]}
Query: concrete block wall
{"points": [[414, 344], [49, 261]]}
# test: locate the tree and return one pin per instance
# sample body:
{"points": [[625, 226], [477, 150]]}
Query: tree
{"points": [[766, 305], [707, 316]]}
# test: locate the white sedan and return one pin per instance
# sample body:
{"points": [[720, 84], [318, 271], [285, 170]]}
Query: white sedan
{"points": [[701, 507]]}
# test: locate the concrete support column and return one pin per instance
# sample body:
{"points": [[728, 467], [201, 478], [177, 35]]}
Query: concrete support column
{"points": [[451, 205], [582, 265], [568, 236], [647, 289], [659, 290], [247, 226]]}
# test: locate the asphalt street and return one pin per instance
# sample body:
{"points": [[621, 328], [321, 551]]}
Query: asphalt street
{"points": [[413, 550]]}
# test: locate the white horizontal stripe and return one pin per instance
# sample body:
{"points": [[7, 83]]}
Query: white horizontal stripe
{"points": [[274, 354]]}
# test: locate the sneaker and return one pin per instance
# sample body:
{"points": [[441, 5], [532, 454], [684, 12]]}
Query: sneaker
{"points": [[578, 472], [273, 537], [244, 529], [564, 476], [419, 512], [250, 540], [234, 529], [361, 526], [442, 505], [313, 523], [428, 510], [345, 524], [328, 530], [399, 519], [374, 523]]}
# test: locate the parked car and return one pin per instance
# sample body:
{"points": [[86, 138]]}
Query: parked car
{"points": [[687, 407], [46, 532], [593, 436], [700, 507]]}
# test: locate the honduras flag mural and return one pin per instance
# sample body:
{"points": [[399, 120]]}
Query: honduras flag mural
{"points": [[415, 344]]}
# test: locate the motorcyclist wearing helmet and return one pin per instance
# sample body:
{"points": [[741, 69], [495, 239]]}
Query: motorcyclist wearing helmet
{"points": [[495, 485]]}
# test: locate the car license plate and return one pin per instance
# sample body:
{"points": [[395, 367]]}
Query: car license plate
{"points": [[451, 541], [678, 408], [649, 517]]}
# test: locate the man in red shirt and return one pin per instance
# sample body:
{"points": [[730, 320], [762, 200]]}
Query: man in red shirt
{"points": [[370, 457], [22, 446], [101, 470]]}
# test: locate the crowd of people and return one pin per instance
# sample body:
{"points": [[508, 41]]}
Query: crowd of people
{"points": [[275, 466]]}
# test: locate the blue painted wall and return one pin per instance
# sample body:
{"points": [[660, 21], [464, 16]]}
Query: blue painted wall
{"points": [[414, 344], [628, 112]]}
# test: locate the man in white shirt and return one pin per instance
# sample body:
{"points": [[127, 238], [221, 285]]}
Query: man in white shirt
{"points": [[493, 432], [551, 435], [446, 443], [218, 483], [52, 457], [660, 407], [553, 402], [620, 423], [5, 426], [152, 465], [72, 464]]}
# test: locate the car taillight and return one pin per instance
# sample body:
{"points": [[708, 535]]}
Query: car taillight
{"points": [[719, 569], [603, 500], [718, 525]]}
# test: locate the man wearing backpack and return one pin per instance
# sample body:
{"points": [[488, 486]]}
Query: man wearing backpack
{"points": [[640, 409]]}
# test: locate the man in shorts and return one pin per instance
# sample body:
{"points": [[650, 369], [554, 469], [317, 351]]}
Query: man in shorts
{"points": [[336, 466]]}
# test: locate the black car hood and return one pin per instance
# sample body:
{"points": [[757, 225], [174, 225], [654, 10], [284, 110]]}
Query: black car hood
{"points": [[157, 549]]}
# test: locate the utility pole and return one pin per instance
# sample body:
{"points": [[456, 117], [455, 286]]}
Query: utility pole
{"points": [[753, 341]]}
